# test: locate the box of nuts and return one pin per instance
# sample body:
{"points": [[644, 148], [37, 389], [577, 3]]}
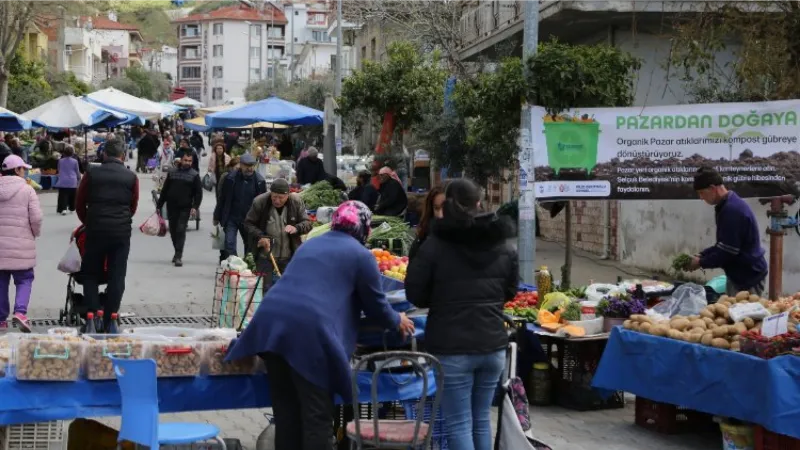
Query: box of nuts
{"points": [[101, 347], [5, 355], [48, 358], [177, 357], [214, 351]]}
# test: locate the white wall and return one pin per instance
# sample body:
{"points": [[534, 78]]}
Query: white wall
{"points": [[114, 38]]}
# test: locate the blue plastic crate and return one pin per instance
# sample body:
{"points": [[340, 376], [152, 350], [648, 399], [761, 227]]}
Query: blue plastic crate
{"points": [[526, 288], [438, 439]]}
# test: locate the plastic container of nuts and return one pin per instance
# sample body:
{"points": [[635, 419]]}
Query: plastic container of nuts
{"points": [[48, 358], [177, 357], [213, 355], [5, 355], [101, 347]]}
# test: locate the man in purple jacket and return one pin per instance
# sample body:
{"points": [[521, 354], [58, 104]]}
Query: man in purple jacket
{"points": [[738, 249]]}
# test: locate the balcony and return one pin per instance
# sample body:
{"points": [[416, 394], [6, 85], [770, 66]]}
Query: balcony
{"points": [[484, 24]]}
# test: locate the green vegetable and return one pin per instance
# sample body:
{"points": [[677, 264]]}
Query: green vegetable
{"points": [[554, 300], [572, 312], [318, 231], [681, 262], [320, 194], [388, 229], [250, 260], [527, 314]]}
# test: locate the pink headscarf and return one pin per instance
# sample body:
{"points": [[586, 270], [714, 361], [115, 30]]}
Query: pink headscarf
{"points": [[385, 170]]}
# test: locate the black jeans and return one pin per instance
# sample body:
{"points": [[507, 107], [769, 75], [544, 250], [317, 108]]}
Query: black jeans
{"points": [[66, 199], [303, 411], [178, 223], [100, 248]]}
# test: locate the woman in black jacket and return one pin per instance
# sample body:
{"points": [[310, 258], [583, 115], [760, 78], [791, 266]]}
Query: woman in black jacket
{"points": [[431, 209], [464, 272]]}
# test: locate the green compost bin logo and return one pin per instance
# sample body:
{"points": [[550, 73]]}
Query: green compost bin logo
{"points": [[572, 145]]}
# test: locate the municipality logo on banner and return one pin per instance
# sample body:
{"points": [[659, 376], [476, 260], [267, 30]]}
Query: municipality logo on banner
{"points": [[654, 152]]}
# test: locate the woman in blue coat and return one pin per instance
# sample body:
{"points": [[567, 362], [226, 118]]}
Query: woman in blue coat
{"points": [[306, 327]]}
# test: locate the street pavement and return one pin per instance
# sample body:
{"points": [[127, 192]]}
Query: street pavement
{"points": [[155, 288]]}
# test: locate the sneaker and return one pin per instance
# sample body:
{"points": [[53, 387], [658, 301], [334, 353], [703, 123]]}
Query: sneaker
{"points": [[178, 262], [63, 213], [22, 322]]}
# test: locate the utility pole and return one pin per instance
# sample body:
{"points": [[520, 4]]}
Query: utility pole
{"points": [[291, 47], [527, 200], [337, 90], [270, 56]]}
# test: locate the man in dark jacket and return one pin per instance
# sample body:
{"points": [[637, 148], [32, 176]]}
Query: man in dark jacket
{"points": [[310, 169], [146, 148], [364, 191], [239, 189], [392, 200], [276, 221], [182, 192], [186, 149], [738, 250], [106, 201]]}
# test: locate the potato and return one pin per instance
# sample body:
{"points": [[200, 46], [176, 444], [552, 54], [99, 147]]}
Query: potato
{"points": [[695, 338], [712, 326], [697, 330], [707, 312], [723, 298], [680, 324], [737, 328], [749, 322], [699, 323], [720, 331], [742, 295], [637, 317], [736, 346], [627, 324], [792, 328], [693, 317], [645, 327], [726, 304], [675, 334], [635, 326], [660, 330], [773, 310], [736, 338], [764, 302], [720, 309], [754, 299], [720, 343], [707, 338], [708, 320], [721, 321]]}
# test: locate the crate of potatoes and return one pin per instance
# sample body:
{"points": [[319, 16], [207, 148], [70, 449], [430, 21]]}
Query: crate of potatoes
{"points": [[214, 349], [101, 347], [177, 357], [48, 358]]}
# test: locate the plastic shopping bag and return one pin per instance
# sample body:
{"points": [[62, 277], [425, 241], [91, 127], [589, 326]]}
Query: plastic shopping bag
{"points": [[209, 181], [217, 239], [154, 226], [71, 261], [241, 295], [687, 300]]}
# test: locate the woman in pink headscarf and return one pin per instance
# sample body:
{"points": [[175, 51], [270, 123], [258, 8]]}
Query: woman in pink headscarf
{"points": [[393, 200]]}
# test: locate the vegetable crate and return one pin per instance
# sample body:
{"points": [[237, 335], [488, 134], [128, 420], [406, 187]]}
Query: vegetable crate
{"points": [[767, 440], [33, 436], [670, 419], [576, 362], [760, 346]]}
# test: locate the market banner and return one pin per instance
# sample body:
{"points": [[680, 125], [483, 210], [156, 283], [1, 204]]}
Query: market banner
{"points": [[653, 152]]}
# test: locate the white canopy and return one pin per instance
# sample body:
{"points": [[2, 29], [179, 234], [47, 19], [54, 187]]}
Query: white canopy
{"points": [[69, 111], [119, 100], [187, 101]]}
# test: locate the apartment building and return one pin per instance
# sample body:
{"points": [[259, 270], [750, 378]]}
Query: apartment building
{"points": [[221, 52], [163, 59], [314, 39]]}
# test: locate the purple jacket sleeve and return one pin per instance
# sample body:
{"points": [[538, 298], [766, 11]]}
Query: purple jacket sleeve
{"points": [[728, 246]]}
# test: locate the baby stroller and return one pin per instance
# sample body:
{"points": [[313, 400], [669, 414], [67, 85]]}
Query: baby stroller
{"points": [[75, 307]]}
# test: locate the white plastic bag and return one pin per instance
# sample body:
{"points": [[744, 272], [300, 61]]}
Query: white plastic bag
{"points": [[597, 291], [687, 300], [217, 239], [151, 226], [71, 261]]}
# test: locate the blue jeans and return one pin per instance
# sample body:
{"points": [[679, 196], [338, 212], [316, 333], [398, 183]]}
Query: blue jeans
{"points": [[469, 386], [231, 230]]}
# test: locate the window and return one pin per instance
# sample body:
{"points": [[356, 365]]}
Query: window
{"points": [[216, 93], [372, 48], [193, 92], [255, 74], [188, 73], [190, 31], [255, 30], [191, 52], [275, 32], [320, 36], [255, 52], [217, 50], [217, 72], [316, 19], [217, 28], [275, 53], [363, 53]]}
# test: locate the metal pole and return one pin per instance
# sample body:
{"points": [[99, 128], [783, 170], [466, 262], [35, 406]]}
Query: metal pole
{"points": [[337, 90], [249, 51], [269, 49], [291, 47], [527, 200]]}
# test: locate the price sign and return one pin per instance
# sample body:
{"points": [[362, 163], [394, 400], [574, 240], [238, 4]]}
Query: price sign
{"points": [[775, 325]]}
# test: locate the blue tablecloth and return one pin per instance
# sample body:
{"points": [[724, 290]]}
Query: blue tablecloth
{"points": [[28, 401], [707, 379]]}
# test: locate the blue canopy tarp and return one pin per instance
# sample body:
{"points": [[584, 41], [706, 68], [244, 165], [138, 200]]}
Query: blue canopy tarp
{"points": [[11, 121], [272, 109], [127, 117]]}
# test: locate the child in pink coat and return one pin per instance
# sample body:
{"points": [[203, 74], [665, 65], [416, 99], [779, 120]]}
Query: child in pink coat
{"points": [[20, 225]]}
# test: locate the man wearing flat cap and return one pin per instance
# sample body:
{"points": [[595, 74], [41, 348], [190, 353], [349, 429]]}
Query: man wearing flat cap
{"points": [[238, 191], [276, 221], [738, 250]]}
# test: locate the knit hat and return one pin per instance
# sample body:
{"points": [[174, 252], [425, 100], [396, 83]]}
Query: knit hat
{"points": [[354, 218], [279, 186]]}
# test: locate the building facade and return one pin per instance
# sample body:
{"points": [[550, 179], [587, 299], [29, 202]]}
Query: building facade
{"points": [[163, 59], [221, 52]]}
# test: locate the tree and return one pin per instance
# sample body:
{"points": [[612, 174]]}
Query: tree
{"points": [[27, 85], [141, 83], [401, 90], [760, 45], [65, 83]]}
